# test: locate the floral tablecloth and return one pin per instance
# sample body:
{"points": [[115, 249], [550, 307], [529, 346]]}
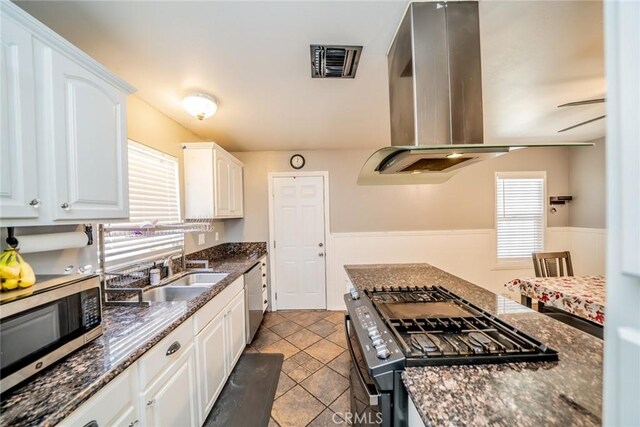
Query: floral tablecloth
{"points": [[583, 296]]}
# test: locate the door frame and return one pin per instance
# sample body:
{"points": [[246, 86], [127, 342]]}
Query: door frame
{"points": [[327, 226]]}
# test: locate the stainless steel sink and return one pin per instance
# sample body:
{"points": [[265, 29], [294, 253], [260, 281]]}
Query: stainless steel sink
{"points": [[173, 293], [198, 279]]}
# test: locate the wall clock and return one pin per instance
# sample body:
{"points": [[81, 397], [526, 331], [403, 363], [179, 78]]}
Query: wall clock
{"points": [[297, 161]]}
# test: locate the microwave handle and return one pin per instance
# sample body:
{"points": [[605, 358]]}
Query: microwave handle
{"points": [[373, 398]]}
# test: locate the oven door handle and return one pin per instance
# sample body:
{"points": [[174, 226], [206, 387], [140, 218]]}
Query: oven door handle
{"points": [[373, 398]]}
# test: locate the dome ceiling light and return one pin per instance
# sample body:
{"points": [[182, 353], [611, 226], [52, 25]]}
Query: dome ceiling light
{"points": [[200, 105]]}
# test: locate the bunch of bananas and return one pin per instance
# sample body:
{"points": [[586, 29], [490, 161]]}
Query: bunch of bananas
{"points": [[14, 271]]}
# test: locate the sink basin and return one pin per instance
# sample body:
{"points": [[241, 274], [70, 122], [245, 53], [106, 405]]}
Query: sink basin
{"points": [[199, 279], [173, 293]]}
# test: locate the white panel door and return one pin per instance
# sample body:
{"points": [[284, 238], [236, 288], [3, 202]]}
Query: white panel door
{"points": [[19, 170], [300, 247], [89, 143], [236, 329]]}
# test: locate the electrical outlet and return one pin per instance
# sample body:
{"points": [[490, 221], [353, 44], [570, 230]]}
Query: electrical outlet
{"points": [[201, 239], [217, 236]]}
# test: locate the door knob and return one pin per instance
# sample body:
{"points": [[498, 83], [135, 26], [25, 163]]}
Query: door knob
{"points": [[321, 254]]}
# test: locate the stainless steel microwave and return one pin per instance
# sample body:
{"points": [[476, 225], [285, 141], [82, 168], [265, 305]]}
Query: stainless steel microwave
{"points": [[40, 326]]}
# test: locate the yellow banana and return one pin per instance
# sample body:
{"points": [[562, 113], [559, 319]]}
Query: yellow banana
{"points": [[10, 267], [27, 276], [9, 284]]}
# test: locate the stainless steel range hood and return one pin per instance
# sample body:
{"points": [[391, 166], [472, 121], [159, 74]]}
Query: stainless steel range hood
{"points": [[435, 96]]}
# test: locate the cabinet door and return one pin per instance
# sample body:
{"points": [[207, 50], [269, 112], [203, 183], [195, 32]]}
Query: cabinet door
{"points": [[89, 131], [212, 363], [236, 190], [236, 329], [223, 185], [19, 170], [171, 401]]}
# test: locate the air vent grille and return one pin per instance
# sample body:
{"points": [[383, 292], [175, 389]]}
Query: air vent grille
{"points": [[334, 61]]}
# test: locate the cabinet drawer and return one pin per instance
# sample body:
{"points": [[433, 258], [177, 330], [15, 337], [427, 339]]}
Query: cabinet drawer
{"points": [[165, 352], [215, 306], [113, 405]]}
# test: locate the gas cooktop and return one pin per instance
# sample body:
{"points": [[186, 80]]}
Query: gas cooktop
{"points": [[434, 326]]}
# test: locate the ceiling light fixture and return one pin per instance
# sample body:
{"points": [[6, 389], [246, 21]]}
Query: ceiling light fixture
{"points": [[455, 155], [200, 105]]}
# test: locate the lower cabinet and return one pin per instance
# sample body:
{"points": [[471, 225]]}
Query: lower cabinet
{"points": [[219, 346], [171, 400]]}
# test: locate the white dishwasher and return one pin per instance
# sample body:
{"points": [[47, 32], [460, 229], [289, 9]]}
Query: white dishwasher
{"points": [[253, 300]]}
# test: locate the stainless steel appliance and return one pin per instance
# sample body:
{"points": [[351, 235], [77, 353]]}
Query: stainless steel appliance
{"points": [[253, 300], [43, 324], [390, 328], [435, 99]]}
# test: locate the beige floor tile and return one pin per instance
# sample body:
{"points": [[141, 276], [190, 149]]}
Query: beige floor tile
{"points": [[296, 408], [303, 338], [326, 419], [301, 358], [342, 404], [273, 423], [325, 385], [337, 337], [249, 349], [322, 327], [285, 328], [324, 350], [289, 365], [307, 318], [290, 314], [264, 338], [272, 319], [282, 346], [299, 374], [341, 364], [312, 365], [284, 385], [336, 317]]}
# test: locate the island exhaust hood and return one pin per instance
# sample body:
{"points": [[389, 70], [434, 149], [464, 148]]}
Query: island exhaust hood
{"points": [[435, 96]]}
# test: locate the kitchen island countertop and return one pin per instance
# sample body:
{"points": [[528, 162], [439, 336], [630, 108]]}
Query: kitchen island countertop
{"points": [[567, 392], [129, 332]]}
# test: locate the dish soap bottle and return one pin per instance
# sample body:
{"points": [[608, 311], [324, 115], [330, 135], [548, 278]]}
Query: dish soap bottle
{"points": [[154, 275]]}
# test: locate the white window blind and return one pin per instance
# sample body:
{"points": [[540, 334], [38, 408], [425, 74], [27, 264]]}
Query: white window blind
{"points": [[520, 215], [153, 196]]}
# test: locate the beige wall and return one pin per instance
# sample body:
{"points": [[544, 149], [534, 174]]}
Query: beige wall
{"points": [[464, 202], [587, 185], [150, 127]]}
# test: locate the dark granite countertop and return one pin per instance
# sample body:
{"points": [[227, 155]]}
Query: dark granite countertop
{"points": [[567, 392], [52, 395]]}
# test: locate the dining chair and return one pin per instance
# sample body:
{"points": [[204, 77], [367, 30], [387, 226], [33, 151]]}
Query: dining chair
{"points": [[552, 264]]}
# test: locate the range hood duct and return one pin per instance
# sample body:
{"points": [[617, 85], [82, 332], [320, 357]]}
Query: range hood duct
{"points": [[435, 98]]}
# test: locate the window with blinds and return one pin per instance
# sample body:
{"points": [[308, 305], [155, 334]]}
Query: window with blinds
{"points": [[520, 215], [153, 196]]}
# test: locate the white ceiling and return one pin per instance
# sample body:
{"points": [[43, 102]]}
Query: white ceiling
{"points": [[254, 58]]}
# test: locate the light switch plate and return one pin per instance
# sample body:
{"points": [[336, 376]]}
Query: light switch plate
{"points": [[201, 239]]}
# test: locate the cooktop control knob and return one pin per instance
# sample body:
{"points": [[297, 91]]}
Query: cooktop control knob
{"points": [[373, 332], [354, 294], [376, 337], [377, 342], [383, 352]]}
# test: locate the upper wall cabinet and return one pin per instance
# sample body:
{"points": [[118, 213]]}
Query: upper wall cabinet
{"points": [[213, 182], [64, 130]]}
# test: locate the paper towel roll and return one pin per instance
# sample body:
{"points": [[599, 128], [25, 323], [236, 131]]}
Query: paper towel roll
{"points": [[52, 242]]}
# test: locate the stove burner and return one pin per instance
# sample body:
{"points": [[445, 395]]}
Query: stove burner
{"points": [[425, 342], [480, 341]]}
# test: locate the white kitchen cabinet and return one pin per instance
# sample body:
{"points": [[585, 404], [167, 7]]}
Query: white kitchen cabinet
{"points": [[236, 329], [64, 130], [171, 400], [213, 181], [19, 172], [114, 405]]}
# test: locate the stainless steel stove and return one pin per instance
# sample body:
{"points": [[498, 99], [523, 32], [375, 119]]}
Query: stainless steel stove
{"points": [[393, 327]]}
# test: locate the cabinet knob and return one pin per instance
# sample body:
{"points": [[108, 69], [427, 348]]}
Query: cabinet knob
{"points": [[133, 423], [65, 206], [151, 402], [264, 264], [173, 348], [321, 254], [264, 274], [35, 203], [320, 244], [92, 423], [265, 301], [264, 286]]}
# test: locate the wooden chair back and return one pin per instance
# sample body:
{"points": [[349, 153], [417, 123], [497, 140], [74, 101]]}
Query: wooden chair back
{"points": [[552, 264]]}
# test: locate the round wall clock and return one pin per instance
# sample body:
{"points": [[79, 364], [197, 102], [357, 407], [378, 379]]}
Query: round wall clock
{"points": [[297, 161]]}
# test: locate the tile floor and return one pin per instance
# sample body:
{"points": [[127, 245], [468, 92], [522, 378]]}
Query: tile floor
{"points": [[313, 383]]}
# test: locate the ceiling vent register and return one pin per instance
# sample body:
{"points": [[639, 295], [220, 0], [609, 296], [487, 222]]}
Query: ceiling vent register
{"points": [[331, 61]]}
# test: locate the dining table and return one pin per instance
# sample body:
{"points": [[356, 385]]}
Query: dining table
{"points": [[582, 296]]}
